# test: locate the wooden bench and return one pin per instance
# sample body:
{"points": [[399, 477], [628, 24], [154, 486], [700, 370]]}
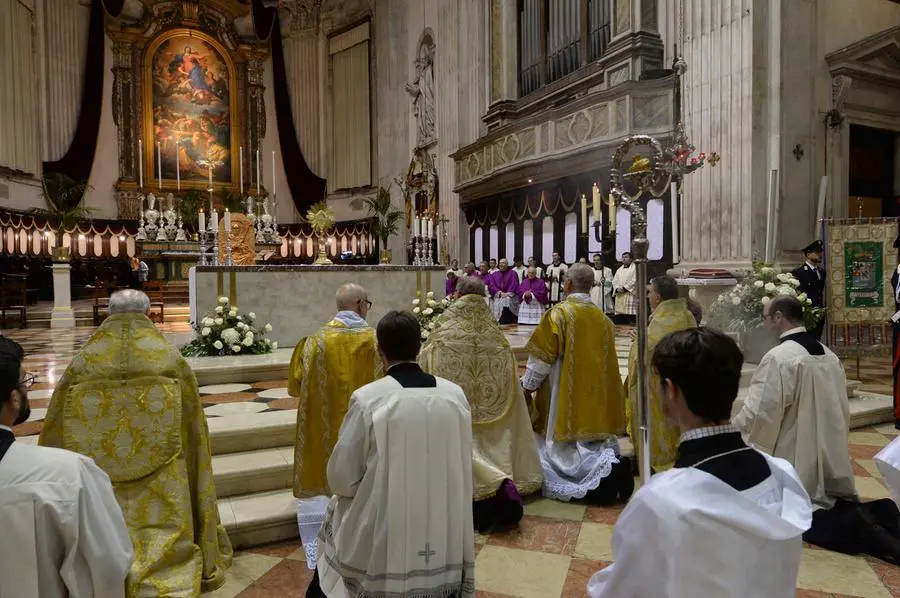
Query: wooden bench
{"points": [[154, 290], [101, 303], [14, 298]]}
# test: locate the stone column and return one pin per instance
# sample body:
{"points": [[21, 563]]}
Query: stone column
{"points": [[63, 316]]}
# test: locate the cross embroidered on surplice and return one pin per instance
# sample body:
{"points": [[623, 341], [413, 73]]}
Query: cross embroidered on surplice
{"points": [[427, 553]]}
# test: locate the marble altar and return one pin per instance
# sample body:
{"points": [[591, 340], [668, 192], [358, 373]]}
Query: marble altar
{"points": [[297, 300]]}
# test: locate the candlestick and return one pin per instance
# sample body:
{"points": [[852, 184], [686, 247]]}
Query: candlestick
{"points": [[273, 173], [141, 162], [177, 168], [612, 214], [241, 168], [202, 221], [595, 199], [257, 171], [209, 166], [584, 222], [159, 162]]}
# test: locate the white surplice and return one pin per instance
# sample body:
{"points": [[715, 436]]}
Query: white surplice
{"points": [[602, 291], [797, 409], [687, 534], [63, 531], [625, 278], [556, 276], [888, 462], [400, 523]]}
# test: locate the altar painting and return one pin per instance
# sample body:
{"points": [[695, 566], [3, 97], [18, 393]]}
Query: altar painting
{"points": [[191, 83]]}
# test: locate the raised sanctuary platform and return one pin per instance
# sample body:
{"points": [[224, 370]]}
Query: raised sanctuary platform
{"points": [[296, 300]]}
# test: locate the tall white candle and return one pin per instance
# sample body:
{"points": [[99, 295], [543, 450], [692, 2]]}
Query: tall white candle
{"points": [[241, 168], [159, 162], [214, 219], [673, 189], [273, 173], [202, 221], [584, 223], [612, 214], [595, 199], [416, 226], [141, 162], [257, 171], [227, 221], [177, 167]]}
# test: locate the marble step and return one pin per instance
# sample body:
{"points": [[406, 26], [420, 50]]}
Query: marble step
{"points": [[237, 369], [253, 471], [260, 518], [252, 432]]}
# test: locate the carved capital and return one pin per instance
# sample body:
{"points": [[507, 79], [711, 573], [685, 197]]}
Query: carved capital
{"points": [[303, 14]]}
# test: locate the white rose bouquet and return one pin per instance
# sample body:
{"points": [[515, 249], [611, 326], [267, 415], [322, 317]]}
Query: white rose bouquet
{"points": [[225, 331], [427, 309], [741, 308]]}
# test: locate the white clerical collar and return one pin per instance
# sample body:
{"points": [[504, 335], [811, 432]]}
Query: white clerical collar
{"points": [[796, 330], [8, 429], [707, 431], [811, 265]]}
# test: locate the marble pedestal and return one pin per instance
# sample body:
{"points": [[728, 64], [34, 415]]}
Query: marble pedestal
{"points": [[62, 316], [297, 300], [706, 290]]}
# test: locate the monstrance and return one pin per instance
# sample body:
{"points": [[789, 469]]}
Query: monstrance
{"points": [[321, 218]]}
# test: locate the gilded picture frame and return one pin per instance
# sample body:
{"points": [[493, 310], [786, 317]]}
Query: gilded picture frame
{"points": [[185, 111]]}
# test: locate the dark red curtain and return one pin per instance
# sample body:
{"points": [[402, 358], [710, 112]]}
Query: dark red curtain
{"points": [[79, 158], [306, 187]]}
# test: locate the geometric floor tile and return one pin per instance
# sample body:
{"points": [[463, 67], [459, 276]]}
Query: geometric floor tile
{"points": [[223, 388], [827, 571], [544, 507], [225, 409], [595, 542], [274, 393], [521, 573], [870, 488]]}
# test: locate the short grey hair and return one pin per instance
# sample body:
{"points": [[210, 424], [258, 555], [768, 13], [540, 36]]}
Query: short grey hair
{"points": [[129, 301], [470, 285], [665, 286], [582, 277]]}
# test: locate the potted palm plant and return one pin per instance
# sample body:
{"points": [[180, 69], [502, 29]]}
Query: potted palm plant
{"points": [[386, 221], [63, 196]]}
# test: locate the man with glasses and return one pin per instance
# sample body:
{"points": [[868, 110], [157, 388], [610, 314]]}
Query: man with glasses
{"points": [[63, 531], [325, 370]]}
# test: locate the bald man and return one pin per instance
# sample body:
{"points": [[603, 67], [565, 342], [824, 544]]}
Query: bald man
{"points": [[325, 370]]}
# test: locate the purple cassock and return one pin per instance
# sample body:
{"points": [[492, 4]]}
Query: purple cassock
{"points": [[502, 282], [531, 313], [450, 286]]}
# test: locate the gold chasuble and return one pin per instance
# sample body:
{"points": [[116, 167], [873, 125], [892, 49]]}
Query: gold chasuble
{"points": [[669, 316], [469, 349], [591, 398], [130, 402], [325, 370]]}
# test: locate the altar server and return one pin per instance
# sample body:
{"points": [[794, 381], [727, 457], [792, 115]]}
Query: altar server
{"points": [[602, 292], [556, 279], [532, 293], [325, 370], [62, 530], [468, 348], [502, 286], [572, 382], [624, 282], [797, 408], [670, 314], [533, 264], [130, 401], [519, 269], [727, 521], [400, 523]]}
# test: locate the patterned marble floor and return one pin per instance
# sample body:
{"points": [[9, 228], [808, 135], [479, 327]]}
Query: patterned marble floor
{"points": [[559, 546]]}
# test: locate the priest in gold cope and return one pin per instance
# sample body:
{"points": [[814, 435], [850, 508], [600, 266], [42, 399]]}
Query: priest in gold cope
{"points": [[325, 370]]}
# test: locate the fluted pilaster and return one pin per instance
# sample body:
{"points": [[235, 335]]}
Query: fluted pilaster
{"points": [[64, 29], [19, 103]]}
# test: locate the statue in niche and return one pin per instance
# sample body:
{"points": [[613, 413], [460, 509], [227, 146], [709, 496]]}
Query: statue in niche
{"points": [[422, 92]]}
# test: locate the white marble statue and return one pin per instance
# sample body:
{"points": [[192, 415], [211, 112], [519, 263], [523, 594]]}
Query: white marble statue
{"points": [[422, 91]]}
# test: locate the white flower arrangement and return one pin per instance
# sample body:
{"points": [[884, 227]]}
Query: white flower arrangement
{"points": [[428, 315], [741, 308], [224, 331]]}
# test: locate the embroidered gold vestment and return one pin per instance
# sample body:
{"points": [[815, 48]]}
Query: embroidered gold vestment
{"points": [[591, 397], [325, 370], [130, 402], [669, 316], [469, 349]]}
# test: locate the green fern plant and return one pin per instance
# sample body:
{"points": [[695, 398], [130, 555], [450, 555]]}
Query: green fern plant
{"points": [[386, 221]]}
